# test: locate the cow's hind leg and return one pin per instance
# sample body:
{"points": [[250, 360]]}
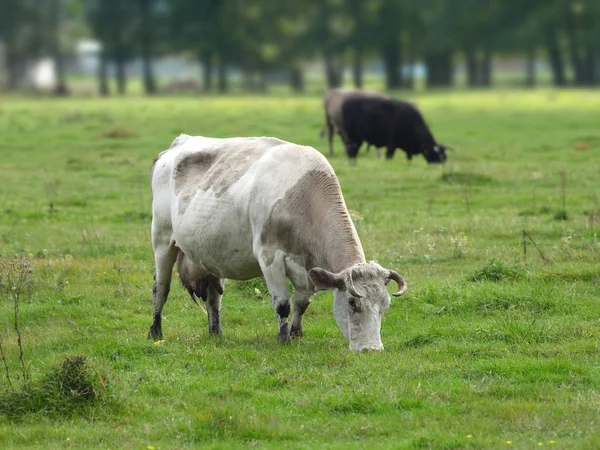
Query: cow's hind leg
{"points": [[275, 277], [301, 302], [213, 306], [164, 259]]}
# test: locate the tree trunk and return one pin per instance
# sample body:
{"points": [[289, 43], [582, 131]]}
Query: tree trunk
{"points": [[471, 66], [409, 82], [590, 65], [59, 59], [13, 63], [61, 84], [331, 74], [439, 69], [103, 88], [555, 56], [590, 58], [357, 69], [297, 79], [573, 45], [146, 42], [391, 53], [222, 75], [530, 67], [485, 68], [121, 73], [262, 80], [207, 70]]}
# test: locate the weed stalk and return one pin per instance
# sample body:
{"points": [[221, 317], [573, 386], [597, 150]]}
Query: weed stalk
{"points": [[525, 247], [543, 256], [563, 187], [5, 363], [17, 285]]}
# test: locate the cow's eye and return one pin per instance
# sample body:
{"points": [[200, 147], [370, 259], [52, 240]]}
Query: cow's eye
{"points": [[353, 303]]}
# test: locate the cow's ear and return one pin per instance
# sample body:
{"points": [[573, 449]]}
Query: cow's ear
{"points": [[324, 279]]}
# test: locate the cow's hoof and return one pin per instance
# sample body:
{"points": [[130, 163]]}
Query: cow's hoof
{"points": [[215, 332], [284, 334], [155, 334], [296, 332]]}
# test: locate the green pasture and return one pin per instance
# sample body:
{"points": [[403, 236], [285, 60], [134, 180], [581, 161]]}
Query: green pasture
{"points": [[495, 345]]}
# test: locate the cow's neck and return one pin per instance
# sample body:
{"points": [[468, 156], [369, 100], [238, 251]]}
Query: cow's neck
{"points": [[340, 247]]}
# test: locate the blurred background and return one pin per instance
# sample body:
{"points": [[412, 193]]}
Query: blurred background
{"points": [[118, 47]]}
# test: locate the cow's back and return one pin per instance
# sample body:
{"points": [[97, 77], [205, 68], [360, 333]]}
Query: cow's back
{"points": [[411, 133], [368, 119], [223, 190], [337, 97]]}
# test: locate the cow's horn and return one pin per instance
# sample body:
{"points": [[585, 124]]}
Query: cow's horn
{"points": [[393, 275], [350, 285]]}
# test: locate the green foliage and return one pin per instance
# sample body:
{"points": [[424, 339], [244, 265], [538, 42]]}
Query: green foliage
{"points": [[561, 215], [497, 270], [74, 387]]}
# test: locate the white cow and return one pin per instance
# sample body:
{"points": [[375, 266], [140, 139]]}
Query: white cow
{"points": [[244, 207]]}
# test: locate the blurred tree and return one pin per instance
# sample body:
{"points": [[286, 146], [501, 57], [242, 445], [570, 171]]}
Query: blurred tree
{"points": [[21, 33], [264, 39], [475, 33], [329, 31], [358, 39], [390, 21], [208, 28], [58, 22], [147, 26], [273, 40], [114, 24], [439, 30], [580, 19], [65, 25], [292, 37], [31, 29]]}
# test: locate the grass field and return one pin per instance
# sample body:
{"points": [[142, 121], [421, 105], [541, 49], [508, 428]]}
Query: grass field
{"points": [[492, 347]]}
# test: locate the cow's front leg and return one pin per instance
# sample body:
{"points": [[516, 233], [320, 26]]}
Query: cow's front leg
{"points": [[164, 259], [274, 273], [301, 302]]}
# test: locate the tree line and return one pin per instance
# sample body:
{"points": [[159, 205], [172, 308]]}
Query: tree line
{"points": [[259, 38]]}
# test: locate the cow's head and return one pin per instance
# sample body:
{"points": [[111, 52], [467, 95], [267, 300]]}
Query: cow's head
{"points": [[359, 300], [437, 154]]}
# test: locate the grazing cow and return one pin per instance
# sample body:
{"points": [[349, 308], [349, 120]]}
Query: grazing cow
{"points": [[240, 208], [388, 123], [334, 99]]}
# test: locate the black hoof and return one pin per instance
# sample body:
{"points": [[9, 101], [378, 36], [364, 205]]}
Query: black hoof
{"points": [[215, 332], [155, 334], [284, 334], [296, 332]]}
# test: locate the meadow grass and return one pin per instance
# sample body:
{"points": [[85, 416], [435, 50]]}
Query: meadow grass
{"points": [[490, 345]]}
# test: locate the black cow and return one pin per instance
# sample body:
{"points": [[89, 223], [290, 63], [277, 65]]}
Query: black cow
{"points": [[388, 123]]}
